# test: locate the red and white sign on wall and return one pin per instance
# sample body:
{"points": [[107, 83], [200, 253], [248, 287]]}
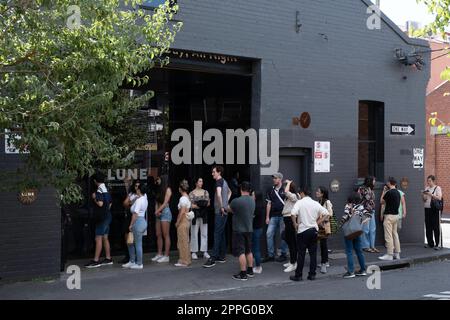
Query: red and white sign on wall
{"points": [[322, 156]]}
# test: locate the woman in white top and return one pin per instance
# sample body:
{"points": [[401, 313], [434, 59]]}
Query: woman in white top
{"points": [[138, 225], [183, 225], [432, 215], [290, 234], [324, 227]]}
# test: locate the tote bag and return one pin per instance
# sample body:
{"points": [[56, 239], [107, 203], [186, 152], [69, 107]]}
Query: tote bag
{"points": [[353, 227]]}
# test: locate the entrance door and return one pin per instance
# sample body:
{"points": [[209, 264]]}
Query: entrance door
{"points": [[295, 168]]}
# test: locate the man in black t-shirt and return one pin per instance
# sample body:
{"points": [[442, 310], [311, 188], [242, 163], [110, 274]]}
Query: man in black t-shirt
{"points": [[391, 199]]}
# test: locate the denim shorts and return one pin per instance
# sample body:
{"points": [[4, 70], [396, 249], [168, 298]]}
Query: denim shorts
{"points": [[166, 215], [102, 228]]}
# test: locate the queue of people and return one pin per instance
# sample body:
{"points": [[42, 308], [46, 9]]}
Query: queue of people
{"points": [[289, 212]]}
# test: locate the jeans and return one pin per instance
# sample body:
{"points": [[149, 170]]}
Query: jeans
{"points": [[369, 232], [256, 246], [135, 249], [432, 226], [203, 236], [323, 251], [351, 245], [275, 225], [220, 244], [291, 238], [307, 240]]}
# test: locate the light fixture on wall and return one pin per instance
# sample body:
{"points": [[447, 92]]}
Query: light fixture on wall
{"points": [[298, 25], [411, 59]]}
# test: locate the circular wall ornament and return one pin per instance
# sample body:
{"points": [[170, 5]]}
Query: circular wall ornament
{"points": [[335, 185], [305, 120], [27, 196]]}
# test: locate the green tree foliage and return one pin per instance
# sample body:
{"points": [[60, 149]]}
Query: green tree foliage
{"points": [[61, 73]]}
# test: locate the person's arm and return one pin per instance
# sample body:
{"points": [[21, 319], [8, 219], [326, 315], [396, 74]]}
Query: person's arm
{"points": [[404, 206], [229, 194], [347, 214], [294, 216], [127, 203], [288, 185], [268, 208], [437, 195], [207, 198], [167, 197], [219, 199], [98, 202], [382, 202], [134, 216], [323, 214]]}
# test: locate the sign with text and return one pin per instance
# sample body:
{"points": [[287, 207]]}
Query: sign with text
{"points": [[322, 156], [403, 129], [418, 158]]}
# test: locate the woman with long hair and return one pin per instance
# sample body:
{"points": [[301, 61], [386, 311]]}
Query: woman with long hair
{"points": [[163, 218], [324, 227], [200, 203], [183, 224], [290, 234], [370, 228]]}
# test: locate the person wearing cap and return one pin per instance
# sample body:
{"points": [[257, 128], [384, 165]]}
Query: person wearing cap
{"points": [[274, 218]]}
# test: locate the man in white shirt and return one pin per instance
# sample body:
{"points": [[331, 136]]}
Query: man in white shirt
{"points": [[307, 214]]}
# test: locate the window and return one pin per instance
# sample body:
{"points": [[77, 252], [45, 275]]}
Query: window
{"points": [[371, 139]]}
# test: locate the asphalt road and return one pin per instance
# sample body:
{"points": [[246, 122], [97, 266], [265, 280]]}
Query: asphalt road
{"points": [[421, 282]]}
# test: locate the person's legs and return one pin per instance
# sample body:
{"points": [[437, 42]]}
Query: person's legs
{"points": [[219, 234], [372, 230], [359, 254], [349, 254], [165, 228], [428, 227], [387, 224], [365, 236], [324, 251], [283, 245], [270, 237], [107, 246], [312, 249], [395, 237], [183, 242], [138, 232], [290, 239], [301, 247], [223, 243], [98, 247], [435, 226], [194, 235], [132, 252], [159, 238], [203, 235], [242, 263], [256, 246]]}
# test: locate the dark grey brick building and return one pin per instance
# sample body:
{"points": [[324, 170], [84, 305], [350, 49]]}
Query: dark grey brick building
{"points": [[268, 62]]}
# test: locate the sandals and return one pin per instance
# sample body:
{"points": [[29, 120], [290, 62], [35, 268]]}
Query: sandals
{"points": [[375, 250], [368, 250]]}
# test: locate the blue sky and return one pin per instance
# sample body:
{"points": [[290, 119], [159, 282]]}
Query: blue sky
{"points": [[400, 11]]}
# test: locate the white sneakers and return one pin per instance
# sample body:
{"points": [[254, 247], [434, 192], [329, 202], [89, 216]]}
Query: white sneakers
{"points": [[180, 265], [157, 257], [291, 267], [132, 265], [286, 264], [323, 268], [194, 256], [386, 257], [397, 256], [206, 255], [163, 259], [257, 269]]}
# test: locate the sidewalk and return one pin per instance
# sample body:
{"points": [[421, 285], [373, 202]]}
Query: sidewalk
{"points": [[164, 281]]}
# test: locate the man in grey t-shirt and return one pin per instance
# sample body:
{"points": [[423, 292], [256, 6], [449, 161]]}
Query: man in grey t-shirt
{"points": [[243, 209], [222, 195]]}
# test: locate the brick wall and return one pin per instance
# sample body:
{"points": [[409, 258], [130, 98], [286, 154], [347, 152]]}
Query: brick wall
{"points": [[443, 167]]}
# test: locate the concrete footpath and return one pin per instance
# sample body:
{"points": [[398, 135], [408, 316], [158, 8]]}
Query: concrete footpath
{"points": [[164, 281]]}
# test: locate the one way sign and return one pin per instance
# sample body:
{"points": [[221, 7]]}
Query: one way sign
{"points": [[403, 129]]}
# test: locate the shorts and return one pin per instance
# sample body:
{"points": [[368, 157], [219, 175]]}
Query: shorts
{"points": [[102, 228], [166, 215], [242, 243]]}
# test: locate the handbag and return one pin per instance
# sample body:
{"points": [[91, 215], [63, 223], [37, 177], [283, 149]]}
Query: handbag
{"points": [[437, 205], [130, 238], [190, 215], [353, 227]]}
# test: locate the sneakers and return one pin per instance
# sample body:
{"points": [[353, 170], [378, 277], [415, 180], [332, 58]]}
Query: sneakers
{"points": [[386, 257], [311, 277], [137, 266], [361, 273], [397, 256], [291, 268], [157, 257], [323, 268], [257, 270], [250, 272], [349, 275], [268, 259], [107, 262], [437, 248], [220, 260], [180, 265], [163, 259], [281, 258], [194, 256], [287, 264], [206, 255], [241, 276], [93, 264], [128, 265], [327, 264], [210, 263]]}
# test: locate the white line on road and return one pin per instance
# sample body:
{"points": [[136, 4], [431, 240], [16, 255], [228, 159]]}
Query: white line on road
{"points": [[436, 296]]}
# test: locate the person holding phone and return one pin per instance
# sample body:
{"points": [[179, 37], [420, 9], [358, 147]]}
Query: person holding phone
{"points": [[432, 215]]}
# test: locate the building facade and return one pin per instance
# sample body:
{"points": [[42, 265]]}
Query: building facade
{"points": [[320, 71]]}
